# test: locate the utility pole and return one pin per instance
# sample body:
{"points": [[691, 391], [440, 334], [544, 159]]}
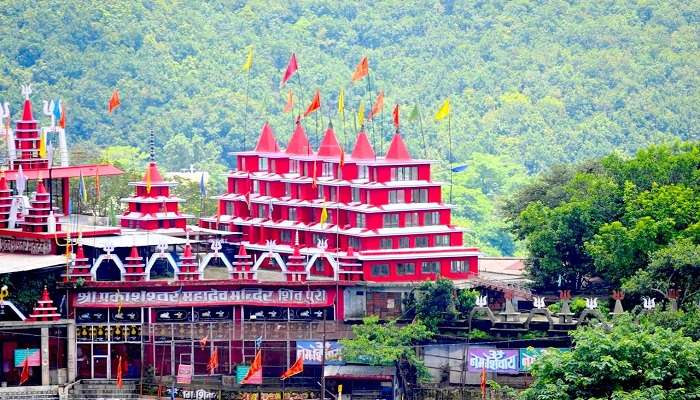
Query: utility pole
{"points": [[323, 359]]}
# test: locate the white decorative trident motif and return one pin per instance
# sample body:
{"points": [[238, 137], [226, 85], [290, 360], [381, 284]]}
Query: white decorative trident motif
{"points": [[591, 303], [538, 302], [109, 248], [161, 247], [216, 246], [649, 303], [322, 244], [482, 301], [270, 245], [26, 91]]}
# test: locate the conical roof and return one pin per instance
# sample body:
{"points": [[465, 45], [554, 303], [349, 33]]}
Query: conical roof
{"points": [[299, 143], [40, 188], [329, 146], [267, 142], [27, 115], [152, 168], [363, 149], [134, 252], [397, 149]]}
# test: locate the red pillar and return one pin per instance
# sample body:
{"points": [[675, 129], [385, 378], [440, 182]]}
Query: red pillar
{"points": [[65, 194]]}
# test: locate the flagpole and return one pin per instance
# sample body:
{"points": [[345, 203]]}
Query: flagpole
{"points": [[301, 93], [245, 114], [422, 133], [369, 92], [449, 155], [345, 136], [381, 129]]}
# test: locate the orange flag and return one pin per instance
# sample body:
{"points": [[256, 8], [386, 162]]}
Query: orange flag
{"points": [[296, 368], [213, 361], [395, 115], [254, 375], [113, 101], [378, 105], [24, 376], [120, 380], [62, 120], [361, 70], [315, 104], [290, 102], [483, 383], [313, 177]]}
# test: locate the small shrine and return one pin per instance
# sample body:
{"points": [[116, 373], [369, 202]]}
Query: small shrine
{"points": [[152, 206], [44, 310], [40, 215]]}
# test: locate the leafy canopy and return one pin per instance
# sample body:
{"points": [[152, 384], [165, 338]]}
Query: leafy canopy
{"points": [[631, 361]]}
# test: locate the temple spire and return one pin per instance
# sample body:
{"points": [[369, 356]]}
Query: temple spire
{"points": [[151, 146]]}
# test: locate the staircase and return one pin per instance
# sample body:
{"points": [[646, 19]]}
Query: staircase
{"points": [[503, 287], [29, 393], [102, 390]]}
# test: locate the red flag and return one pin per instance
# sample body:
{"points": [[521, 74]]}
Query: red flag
{"points": [[296, 368], [62, 120], [113, 101], [315, 103], [290, 102], [378, 105], [395, 115], [342, 157], [254, 375], [361, 70], [291, 69], [203, 342], [213, 361], [24, 376], [120, 380], [483, 383]]}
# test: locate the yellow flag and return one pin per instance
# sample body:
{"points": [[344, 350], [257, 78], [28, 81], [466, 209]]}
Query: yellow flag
{"points": [[42, 145], [148, 179], [324, 216], [443, 111], [361, 115], [249, 61], [341, 102]]}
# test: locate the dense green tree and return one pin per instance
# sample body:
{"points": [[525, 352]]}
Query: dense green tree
{"points": [[631, 221], [376, 343], [536, 83], [631, 361]]}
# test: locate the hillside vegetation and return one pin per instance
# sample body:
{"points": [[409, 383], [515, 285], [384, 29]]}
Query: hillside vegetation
{"points": [[532, 83]]}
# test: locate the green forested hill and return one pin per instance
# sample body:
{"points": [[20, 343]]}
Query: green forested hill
{"points": [[532, 83]]}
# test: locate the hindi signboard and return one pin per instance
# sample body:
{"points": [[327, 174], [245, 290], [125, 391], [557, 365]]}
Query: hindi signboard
{"points": [[280, 297], [502, 361], [310, 350], [184, 374], [530, 355]]}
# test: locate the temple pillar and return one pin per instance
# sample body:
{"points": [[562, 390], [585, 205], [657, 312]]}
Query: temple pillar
{"points": [[45, 378], [70, 350], [65, 195]]}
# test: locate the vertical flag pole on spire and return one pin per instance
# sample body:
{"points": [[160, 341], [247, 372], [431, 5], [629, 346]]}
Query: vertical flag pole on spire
{"points": [[449, 155], [422, 133], [369, 94], [247, 67]]}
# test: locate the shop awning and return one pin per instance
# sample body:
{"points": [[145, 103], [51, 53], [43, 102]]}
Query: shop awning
{"points": [[10, 262]]}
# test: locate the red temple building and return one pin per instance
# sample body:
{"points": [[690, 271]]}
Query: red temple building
{"points": [[39, 222], [384, 214], [152, 206], [303, 241]]}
